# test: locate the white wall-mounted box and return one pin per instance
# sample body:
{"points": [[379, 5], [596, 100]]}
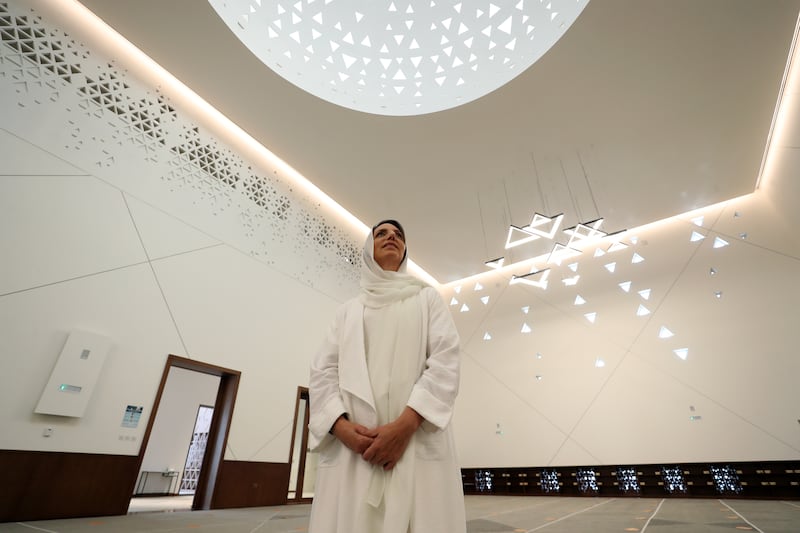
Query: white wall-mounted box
{"points": [[74, 376]]}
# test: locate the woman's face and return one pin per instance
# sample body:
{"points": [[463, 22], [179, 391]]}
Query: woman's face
{"points": [[390, 246]]}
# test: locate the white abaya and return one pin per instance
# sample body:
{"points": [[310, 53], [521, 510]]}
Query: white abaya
{"points": [[376, 359]]}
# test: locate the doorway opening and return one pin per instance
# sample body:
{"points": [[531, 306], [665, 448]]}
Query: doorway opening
{"points": [[203, 466], [197, 449]]}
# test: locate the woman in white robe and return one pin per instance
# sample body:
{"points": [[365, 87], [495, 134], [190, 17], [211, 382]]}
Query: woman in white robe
{"points": [[382, 390]]}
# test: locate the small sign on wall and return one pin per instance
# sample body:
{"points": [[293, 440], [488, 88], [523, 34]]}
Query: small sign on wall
{"points": [[132, 415]]}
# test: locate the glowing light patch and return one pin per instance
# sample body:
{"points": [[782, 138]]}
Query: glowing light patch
{"points": [[571, 281], [478, 287], [579, 300], [664, 333], [541, 221], [573, 267], [599, 253], [495, 263], [611, 267], [719, 242], [526, 309], [487, 337], [485, 300], [591, 317], [696, 237], [625, 286], [617, 246], [518, 236], [642, 311], [583, 233], [464, 308], [697, 221], [636, 258], [599, 363], [683, 353], [561, 252], [457, 289], [454, 301], [535, 279], [525, 328], [645, 293]]}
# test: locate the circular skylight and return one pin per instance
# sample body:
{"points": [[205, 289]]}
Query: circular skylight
{"points": [[398, 57]]}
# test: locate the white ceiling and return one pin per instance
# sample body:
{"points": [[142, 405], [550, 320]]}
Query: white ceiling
{"points": [[644, 109]]}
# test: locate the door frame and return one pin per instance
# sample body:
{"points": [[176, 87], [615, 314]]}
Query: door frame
{"points": [[302, 394], [217, 434]]}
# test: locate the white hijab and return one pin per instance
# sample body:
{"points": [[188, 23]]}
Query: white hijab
{"points": [[381, 287], [396, 351]]}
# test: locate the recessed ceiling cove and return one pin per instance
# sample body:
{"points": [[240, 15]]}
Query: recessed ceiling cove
{"points": [[398, 57]]}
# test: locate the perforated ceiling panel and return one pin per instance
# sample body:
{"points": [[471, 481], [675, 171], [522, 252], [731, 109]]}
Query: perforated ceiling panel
{"points": [[398, 57], [91, 112]]}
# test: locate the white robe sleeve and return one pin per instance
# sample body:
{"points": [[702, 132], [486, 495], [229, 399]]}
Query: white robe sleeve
{"points": [[326, 404], [434, 393]]}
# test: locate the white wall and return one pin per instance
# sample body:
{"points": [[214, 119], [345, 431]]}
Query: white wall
{"points": [[123, 213], [742, 368]]}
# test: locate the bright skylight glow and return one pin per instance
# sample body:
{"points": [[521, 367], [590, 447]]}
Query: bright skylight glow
{"points": [[645, 293], [599, 363], [579, 300], [526, 309], [611, 267], [642, 311], [487, 337], [525, 328], [636, 258], [454, 301], [398, 57], [478, 286], [664, 333], [591, 317], [683, 353], [625, 286], [485, 300], [464, 308]]}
